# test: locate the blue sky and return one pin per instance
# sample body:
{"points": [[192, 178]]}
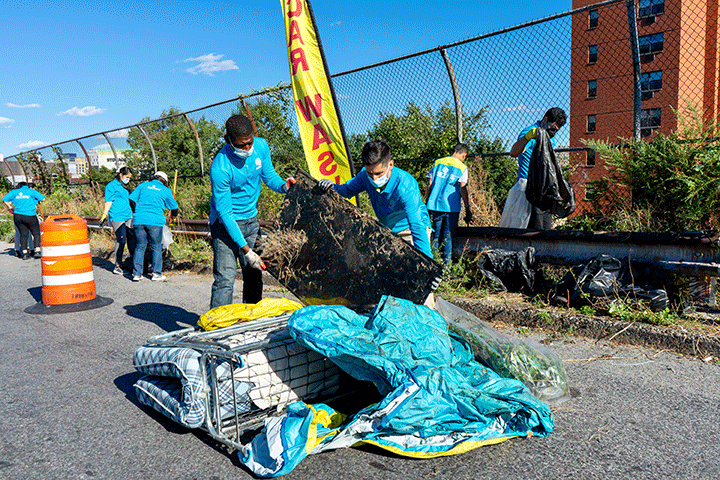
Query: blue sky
{"points": [[74, 68]]}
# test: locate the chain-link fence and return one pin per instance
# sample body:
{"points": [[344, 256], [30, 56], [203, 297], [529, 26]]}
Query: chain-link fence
{"points": [[620, 69]]}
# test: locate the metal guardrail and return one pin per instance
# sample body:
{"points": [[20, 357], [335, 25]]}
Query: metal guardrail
{"points": [[689, 253]]}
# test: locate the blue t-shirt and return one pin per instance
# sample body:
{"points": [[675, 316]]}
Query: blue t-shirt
{"points": [[398, 205], [447, 174], [24, 200], [524, 158], [151, 199], [116, 193], [236, 184]]}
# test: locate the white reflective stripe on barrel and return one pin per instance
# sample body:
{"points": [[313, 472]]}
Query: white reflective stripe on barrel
{"points": [[66, 250], [54, 280]]}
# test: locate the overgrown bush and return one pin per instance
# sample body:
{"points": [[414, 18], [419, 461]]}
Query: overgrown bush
{"points": [[672, 180]]}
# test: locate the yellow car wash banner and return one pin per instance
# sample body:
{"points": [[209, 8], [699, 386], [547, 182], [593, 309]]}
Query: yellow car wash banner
{"points": [[321, 129]]}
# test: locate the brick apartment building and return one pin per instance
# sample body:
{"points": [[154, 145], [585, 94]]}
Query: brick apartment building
{"points": [[679, 62]]}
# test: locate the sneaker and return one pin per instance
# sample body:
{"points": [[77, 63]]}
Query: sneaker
{"points": [[137, 278], [118, 270], [158, 277], [26, 256]]}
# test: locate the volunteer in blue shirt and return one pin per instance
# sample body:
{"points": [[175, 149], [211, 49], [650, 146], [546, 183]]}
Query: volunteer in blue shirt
{"points": [[447, 185], [518, 213], [151, 199], [236, 175], [117, 208], [394, 194], [22, 203]]}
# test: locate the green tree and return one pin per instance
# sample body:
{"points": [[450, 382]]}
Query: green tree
{"points": [[174, 143]]}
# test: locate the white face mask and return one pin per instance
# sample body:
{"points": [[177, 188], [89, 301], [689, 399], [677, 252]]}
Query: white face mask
{"points": [[380, 182], [243, 153], [125, 181]]}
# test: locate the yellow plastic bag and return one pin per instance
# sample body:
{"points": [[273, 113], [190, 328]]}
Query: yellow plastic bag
{"points": [[227, 315]]}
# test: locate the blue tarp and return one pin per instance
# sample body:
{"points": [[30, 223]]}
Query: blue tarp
{"points": [[437, 399]]}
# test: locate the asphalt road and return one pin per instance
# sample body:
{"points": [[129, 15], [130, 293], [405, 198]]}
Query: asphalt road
{"points": [[68, 410]]}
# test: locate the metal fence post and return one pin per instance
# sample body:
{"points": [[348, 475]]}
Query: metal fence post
{"points": [[634, 48], [197, 139], [117, 162], [152, 149], [456, 94], [90, 174]]}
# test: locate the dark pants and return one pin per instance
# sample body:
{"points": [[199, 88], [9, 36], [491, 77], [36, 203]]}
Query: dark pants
{"points": [[123, 234], [144, 235], [226, 255], [540, 220], [444, 226], [26, 224]]}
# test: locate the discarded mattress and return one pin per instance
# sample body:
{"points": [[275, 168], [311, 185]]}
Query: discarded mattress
{"points": [[437, 399], [174, 385], [326, 251], [244, 368]]}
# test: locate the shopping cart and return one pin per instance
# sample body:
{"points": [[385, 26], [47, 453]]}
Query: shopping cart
{"points": [[227, 381]]}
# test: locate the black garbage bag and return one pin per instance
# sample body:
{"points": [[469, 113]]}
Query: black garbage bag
{"points": [[547, 188], [509, 270], [608, 277]]}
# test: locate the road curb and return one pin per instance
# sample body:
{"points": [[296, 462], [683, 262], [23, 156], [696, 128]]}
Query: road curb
{"points": [[663, 338]]}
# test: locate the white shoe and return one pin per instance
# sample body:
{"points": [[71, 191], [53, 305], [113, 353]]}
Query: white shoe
{"points": [[158, 277], [137, 278], [118, 270]]}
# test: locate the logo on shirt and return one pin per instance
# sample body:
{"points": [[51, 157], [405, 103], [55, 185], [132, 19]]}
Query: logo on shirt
{"points": [[154, 187], [258, 164], [22, 195]]}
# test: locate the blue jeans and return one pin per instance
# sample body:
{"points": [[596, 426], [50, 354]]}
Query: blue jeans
{"points": [[143, 233], [444, 226], [226, 255]]}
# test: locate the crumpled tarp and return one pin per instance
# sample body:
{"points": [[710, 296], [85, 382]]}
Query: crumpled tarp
{"points": [[547, 188], [437, 399]]}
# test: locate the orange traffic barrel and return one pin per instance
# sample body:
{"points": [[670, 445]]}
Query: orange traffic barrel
{"points": [[68, 283]]}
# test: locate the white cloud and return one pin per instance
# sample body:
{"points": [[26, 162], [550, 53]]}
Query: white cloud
{"points": [[102, 146], [82, 112], [209, 64], [522, 108], [119, 133], [6, 122], [29, 105], [31, 145]]}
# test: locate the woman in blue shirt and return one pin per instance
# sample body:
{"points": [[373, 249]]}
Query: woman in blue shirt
{"points": [[151, 199], [117, 207], [22, 203]]}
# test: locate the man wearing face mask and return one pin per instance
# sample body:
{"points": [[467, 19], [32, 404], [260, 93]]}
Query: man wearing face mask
{"points": [[235, 176], [395, 197], [518, 212]]}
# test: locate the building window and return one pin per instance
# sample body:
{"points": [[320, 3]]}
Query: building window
{"points": [[592, 53], [651, 44], [650, 8], [593, 19], [650, 82], [649, 120], [592, 89], [591, 124]]}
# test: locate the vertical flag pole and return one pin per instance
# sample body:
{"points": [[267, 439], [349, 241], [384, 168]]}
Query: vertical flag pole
{"points": [[332, 88]]}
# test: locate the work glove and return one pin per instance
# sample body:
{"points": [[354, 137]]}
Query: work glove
{"points": [[325, 185], [103, 219], [254, 260], [288, 182], [435, 283], [468, 216]]}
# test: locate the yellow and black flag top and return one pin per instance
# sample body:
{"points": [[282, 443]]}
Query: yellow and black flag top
{"points": [[319, 121]]}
